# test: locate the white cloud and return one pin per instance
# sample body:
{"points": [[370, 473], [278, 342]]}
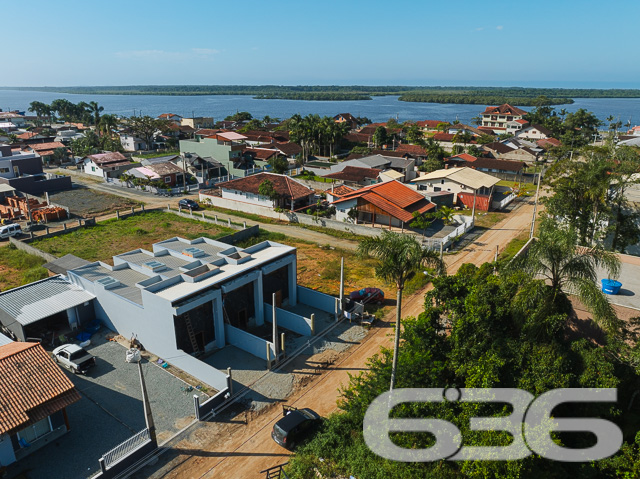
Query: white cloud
{"points": [[479, 29], [499, 27]]}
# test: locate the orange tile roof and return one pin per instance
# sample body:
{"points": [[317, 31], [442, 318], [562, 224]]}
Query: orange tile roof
{"points": [[32, 387], [394, 198], [46, 146]]}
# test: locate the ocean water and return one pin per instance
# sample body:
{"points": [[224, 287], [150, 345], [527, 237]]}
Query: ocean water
{"points": [[378, 109]]}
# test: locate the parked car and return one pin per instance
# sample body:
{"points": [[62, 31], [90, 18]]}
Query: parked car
{"points": [[294, 426], [75, 358], [10, 230], [368, 295], [187, 203]]}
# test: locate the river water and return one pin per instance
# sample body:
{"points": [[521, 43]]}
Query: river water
{"points": [[378, 109]]}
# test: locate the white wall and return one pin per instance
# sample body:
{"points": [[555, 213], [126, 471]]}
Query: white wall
{"points": [[246, 198], [89, 165]]}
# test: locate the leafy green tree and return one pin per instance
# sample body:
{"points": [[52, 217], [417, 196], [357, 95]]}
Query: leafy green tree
{"points": [[147, 127], [431, 164], [107, 124], [380, 136], [94, 110], [279, 164], [267, 189], [399, 257], [570, 269], [239, 116], [414, 134]]}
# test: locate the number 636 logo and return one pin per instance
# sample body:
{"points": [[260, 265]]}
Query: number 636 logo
{"points": [[530, 424]]}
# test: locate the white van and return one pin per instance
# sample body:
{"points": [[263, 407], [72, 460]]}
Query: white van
{"points": [[10, 230]]}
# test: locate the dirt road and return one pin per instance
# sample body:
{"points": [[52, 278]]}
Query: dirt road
{"points": [[237, 449]]}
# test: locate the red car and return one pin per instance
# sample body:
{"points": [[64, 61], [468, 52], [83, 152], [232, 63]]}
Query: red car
{"points": [[368, 295]]}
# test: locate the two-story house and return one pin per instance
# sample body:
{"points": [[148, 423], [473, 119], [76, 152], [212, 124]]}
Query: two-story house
{"points": [[497, 117]]}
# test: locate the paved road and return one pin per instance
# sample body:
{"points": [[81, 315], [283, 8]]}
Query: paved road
{"points": [[235, 449]]}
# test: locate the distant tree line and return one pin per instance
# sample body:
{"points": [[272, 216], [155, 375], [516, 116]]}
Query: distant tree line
{"points": [[476, 99]]}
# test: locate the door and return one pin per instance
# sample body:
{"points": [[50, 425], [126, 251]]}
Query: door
{"points": [[242, 319], [200, 341]]}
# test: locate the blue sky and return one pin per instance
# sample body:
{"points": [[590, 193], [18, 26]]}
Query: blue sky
{"points": [[534, 43]]}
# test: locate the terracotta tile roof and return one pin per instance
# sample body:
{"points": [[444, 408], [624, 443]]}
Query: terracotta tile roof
{"points": [[394, 198], [27, 135], [207, 132], [346, 117], [540, 128], [443, 137], [289, 148], [548, 142], [413, 149], [354, 173], [37, 147], [32, 387], [107, 158], [522, 121], [463, 157], [498, 147], [394, 154], [490, 163], [358, 137], [260, 153], [340, 191], [166, 116], [433, 124], [286, 187], [504, 109]]}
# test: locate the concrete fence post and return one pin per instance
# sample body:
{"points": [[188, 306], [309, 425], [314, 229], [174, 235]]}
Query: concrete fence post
{"points": [[203, 215], [230, 382], [117, 214], [47, 229], [216, 218], [179, 209], [64, 226], [191, 212], [282, 344], [268, 355], [244, 223], [79, 222], [196, 404], [142, 207], [313, 324], [132, 210], [229, 222], [336, 308], [103, 468], [31, 233], [168, 207]]}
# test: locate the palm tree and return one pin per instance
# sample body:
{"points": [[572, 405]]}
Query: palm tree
{"points": [[569, 268], [108, 123], [399, 257], [95, 110]]}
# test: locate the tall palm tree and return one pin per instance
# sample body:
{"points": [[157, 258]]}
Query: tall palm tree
{"points": [[108, 123], [569, 268], [95, 110], [399, 257]]}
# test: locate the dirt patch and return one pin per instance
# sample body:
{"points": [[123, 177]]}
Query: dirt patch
{"points": [[90, 203]]}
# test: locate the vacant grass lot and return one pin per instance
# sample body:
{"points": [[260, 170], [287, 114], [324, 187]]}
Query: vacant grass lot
{"points": [[112, 237], [318, 266], [18, 268], [528, 189]]}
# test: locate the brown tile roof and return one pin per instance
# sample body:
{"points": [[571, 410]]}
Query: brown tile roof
{"points": [[207, 132], [488, 163], [433, 124], [391, 153], [286, 187], [498, 147], [32, 387], [37, 147], [412, 149], [394, 198], [339, 191], [463, 157], [358, 137], [289, 148], [548, 142], [27, 135], [260, 153], [164, 168], [354, 173], [443, 136], [504, 109], [107, 158]]}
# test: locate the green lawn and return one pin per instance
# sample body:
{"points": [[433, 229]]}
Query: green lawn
{"points": [[529, 189], [112, 237], [158, 155], [18, 268], [514, 246]]}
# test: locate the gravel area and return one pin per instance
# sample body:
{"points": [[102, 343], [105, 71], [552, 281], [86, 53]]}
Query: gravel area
{"points": [[87, 203], [109, 412]]}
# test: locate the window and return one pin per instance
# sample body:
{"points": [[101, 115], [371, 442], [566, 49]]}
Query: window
{"points": [[167, 179], [442, 182], [35, 431], [436, 188], [93, 168], [4, 170]]}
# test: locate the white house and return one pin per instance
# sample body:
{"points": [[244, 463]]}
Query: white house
{"points": [[12, 117], [106, 165], [132, 143], [534, 132], [464, 183]]}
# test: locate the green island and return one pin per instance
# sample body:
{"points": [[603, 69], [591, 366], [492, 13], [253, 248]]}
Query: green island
{"points": [[431, 94]]}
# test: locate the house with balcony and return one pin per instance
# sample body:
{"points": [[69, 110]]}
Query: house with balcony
{"points": [[497, 117], [225, 147], [469, 186], [34, 395]]}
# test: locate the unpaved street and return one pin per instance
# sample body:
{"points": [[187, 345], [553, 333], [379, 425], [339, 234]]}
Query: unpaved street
{"points": [[238, 450]]}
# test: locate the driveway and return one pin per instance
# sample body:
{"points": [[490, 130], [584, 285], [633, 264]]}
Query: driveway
{"points": [[109, 412]]}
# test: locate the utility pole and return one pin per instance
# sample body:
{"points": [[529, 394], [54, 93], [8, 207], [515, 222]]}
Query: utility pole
{"points": [[535, 205]]}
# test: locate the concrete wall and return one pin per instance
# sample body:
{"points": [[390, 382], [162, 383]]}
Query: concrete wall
{"points": [[234, 195], [6, 451], [22, 246], [248, 342], [288, 320], [29, 184], [318, 300], [291, 217]]}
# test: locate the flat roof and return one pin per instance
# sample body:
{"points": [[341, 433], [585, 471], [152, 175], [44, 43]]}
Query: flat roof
{"points": [[44, 298], [126, 276]]}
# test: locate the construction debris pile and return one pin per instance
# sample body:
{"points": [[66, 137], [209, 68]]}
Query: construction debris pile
{"points": [[18, 207]]}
